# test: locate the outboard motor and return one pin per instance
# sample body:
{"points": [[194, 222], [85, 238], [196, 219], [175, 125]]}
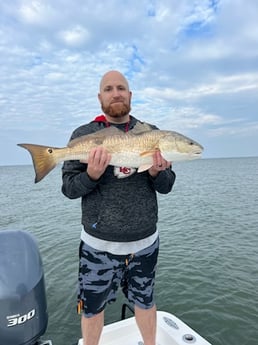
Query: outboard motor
{"points": [[23, 306]]}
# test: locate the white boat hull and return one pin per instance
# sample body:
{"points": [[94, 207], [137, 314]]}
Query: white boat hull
{"points": [[170, 331]]}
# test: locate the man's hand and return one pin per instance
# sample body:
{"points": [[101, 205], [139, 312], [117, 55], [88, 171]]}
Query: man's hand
{"points": [[159, 164], [98, 160]]}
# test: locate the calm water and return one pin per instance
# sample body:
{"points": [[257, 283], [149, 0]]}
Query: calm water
{"points": [[208, 264]]}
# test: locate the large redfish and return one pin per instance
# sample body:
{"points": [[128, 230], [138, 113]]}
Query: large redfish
{"points": [[133, 149]]}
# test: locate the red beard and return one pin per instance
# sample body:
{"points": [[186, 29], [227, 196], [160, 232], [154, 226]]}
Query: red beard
{"points": [[118, 109]]}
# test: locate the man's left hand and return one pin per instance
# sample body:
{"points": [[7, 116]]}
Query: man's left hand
{"points": [[159, 164]]}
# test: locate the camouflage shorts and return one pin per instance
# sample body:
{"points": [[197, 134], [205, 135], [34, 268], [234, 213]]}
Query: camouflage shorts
{"points": [[101, 274]]}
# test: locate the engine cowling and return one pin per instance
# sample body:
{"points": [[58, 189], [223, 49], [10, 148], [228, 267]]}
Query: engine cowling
{"points": [[23, 305]]}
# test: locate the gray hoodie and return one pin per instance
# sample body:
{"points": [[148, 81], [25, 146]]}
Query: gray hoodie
{"points": [[115, 209]]}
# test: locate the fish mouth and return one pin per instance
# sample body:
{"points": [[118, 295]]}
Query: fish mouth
{"points": [[196, 154]]}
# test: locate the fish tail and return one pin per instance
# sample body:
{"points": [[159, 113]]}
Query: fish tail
{"points": [[43, 158]]}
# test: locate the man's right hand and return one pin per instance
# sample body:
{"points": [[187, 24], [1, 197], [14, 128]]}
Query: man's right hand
{"points": [[98, 160]]}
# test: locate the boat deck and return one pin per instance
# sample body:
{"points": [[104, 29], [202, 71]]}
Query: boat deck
{"points": [[170, 331]]}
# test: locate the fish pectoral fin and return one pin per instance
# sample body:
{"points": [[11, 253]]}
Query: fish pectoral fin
{"points": [[148, 153], [144, 167]]}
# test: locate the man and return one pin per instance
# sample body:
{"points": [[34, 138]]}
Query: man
{"points": [[119, 239]]}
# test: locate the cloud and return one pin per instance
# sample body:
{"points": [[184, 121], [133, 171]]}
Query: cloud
{"points": [[76, 36], [192, 66]]}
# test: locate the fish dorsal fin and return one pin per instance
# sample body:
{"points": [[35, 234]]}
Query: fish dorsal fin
{"points": [[141, 127], [97, 137]]}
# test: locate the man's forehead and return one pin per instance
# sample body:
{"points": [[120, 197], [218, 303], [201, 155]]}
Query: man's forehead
{"points": [[113, 80]]}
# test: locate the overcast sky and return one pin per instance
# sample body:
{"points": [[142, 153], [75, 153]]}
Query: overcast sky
{"points": [[192, 66]]}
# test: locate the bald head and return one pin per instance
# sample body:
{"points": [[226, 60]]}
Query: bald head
{"points": [[113, 77]]}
